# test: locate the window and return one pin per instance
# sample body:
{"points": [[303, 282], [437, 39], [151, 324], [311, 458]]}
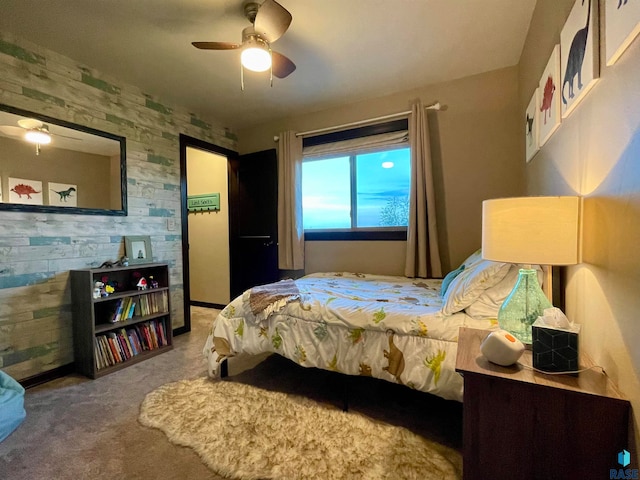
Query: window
{"points": [[360, 184]]}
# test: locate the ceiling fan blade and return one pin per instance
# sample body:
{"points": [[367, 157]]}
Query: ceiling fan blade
{"points": [[272, 20], [12, 131], [216, 45], [66, 136], [282, 66], [30, 123]]}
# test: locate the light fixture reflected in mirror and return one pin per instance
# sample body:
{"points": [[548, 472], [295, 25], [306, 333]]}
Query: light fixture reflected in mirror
{"points": [[39, 136], [387, 164]]}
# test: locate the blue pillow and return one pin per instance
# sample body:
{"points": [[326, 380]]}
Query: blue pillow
{"points": [[12, 411], [446, 281]]}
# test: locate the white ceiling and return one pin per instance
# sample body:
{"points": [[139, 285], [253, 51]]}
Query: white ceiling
{"points": [[345, 50]]}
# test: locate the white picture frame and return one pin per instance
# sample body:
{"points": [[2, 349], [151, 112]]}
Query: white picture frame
{"points": [[62, 194], [26, 192], [549, 115], [531, 140], [579, 54], [622, 18]]}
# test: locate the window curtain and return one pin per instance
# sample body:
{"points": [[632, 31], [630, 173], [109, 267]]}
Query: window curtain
{"points": [[423, 255], [290, 230]]}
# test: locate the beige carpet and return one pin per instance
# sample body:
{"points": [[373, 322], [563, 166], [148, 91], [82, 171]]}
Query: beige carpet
{"points": [[245, 432]]}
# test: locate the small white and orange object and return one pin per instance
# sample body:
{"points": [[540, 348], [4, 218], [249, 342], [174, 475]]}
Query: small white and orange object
{"points": [[502, 348]]}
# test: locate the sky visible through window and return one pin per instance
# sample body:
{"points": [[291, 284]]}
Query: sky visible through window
{"points": [[382, 193]]}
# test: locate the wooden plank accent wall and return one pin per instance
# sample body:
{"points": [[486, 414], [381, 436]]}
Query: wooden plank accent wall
{"points": [[38, 250]]}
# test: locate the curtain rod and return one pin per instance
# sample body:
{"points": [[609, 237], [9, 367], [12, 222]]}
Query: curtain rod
{"points": [[435, 106]]}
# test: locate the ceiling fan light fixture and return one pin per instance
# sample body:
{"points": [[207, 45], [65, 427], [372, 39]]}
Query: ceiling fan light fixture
{"points": [[256, 56], [39, 137]]}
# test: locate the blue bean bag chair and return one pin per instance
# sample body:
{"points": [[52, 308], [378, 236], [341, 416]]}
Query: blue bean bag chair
{"points": [[12, 411]]}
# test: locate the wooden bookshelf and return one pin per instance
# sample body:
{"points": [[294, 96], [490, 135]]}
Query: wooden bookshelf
{"points": [[114, 331]]}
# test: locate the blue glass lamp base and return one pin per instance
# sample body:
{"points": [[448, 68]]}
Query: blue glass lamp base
{"points": [[523, 306]]}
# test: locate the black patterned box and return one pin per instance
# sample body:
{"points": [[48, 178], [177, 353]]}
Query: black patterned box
{"points": [[555, 349]]}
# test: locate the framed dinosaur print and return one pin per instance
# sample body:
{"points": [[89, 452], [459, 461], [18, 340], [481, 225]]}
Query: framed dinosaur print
{"points": [[579, 54], [622, 19], [531, 127], [548, 109], [62, 194], [28, 192]]}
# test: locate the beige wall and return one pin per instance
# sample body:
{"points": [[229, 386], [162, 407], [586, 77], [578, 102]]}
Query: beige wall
{"points": [[355, 256], [18, 159], [476, 149], [595, 154], [208, 231]]}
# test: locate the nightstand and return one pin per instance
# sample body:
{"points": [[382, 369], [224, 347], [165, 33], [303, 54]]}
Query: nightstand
{"points": [[521, 424]]}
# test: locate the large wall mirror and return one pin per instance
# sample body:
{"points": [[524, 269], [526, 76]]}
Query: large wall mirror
{"points": [[49, 165]]}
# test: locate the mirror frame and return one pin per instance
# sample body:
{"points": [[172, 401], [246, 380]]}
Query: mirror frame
{"points": [[17, 207]]}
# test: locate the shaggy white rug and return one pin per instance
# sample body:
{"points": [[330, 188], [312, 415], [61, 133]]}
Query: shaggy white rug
{"points": [[245, 432]]}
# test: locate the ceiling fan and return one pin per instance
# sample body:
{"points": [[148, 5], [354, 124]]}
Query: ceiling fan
{"points": [[269, 22], [33, 131]]}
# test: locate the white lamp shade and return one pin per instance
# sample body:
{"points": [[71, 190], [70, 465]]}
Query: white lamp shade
{"points": [[256, 58], [531, 230]]}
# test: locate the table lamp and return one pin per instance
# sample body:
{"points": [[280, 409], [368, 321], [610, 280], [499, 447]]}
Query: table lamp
{"points": [[529, 230]]}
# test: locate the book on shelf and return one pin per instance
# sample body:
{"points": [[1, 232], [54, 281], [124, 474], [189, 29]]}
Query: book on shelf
{"points": [[115, 347], [98, 354], [121, 345], [107, 349]]}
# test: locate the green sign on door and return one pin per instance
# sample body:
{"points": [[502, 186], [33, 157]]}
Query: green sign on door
{"points": [[206, 202]]}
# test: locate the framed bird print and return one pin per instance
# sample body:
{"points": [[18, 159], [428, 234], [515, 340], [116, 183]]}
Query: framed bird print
{"points": [[531, 127], [622, 26], [548, 109], [580, 65]]}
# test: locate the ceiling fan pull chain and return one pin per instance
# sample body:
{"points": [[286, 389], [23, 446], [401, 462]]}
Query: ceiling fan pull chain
{"points": [[241, 77], [271, 67]]}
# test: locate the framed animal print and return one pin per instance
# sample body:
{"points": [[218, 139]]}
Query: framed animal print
{"points": [[63, 194], [622, 26], [548, 110], [24, 191], [531, 140], [580, 65]]}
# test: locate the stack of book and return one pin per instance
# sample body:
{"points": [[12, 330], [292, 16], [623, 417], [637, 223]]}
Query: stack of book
{"points": [[125, 309], [156, 302], [119, 346]]}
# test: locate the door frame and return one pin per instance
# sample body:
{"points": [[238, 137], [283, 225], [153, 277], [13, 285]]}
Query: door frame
{"points": [[185, 142]]}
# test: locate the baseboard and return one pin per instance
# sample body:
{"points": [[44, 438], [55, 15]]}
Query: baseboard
{"points": [[47, 376], [206, 304]]}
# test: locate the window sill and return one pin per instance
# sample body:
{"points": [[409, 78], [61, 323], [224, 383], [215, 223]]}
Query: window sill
{"points": [[347, 235]]}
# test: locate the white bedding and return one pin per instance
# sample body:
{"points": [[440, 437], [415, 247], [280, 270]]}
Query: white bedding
{"points": [[358, 324]]}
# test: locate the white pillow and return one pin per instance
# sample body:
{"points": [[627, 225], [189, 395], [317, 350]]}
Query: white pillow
{"points": [[473, 258], [469, 285], [489, 302]]}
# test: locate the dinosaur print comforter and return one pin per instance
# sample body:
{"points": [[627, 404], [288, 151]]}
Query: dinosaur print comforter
{"points": [[387, 327]]}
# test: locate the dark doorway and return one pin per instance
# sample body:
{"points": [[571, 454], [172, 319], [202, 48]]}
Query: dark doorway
{"points": [[185, 142], [253, 227]]}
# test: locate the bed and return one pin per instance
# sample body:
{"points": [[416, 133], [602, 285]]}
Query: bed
{"points": [[397, 329]]}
